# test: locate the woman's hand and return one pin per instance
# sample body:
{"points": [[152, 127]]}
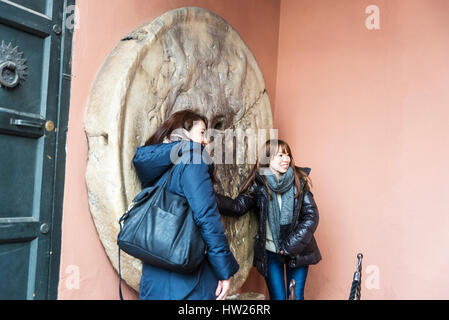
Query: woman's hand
{"points": [[235, 207], [223, 289]]}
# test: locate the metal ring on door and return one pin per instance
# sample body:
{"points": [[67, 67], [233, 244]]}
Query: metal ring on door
{"points": [[7, 81]]}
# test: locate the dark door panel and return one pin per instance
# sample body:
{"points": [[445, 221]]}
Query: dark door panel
{"points": [[24, 19], [31, 82], [40, 6], [14, 279], [20, 178], [31, 53]]}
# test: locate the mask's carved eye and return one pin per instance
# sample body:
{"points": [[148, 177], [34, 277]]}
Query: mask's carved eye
{"points": [[219, 125], [219, 122]]}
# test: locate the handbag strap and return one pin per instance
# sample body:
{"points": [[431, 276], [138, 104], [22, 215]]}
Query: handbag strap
{"points": [[169, 176], [119, 269], [164, 185], [120, 277]]}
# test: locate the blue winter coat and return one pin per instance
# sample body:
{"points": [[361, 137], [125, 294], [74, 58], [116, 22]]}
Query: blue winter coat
{"points": [[191, 179]]}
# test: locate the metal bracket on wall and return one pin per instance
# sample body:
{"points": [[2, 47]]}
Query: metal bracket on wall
{"points": [[21, 124]]}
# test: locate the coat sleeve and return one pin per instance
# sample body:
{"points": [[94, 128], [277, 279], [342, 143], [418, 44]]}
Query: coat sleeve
{"points": [[199, 192], [236, 207], [301, 236]]}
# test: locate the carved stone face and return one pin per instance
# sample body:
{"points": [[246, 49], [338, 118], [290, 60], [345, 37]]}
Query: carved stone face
{"points": [[186, 58]]}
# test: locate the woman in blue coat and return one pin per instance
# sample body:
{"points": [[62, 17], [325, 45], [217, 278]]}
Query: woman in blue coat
{"points": [[180, 142]]}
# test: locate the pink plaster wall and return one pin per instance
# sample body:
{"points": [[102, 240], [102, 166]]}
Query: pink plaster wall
{"points": [[102, 24], [369, 112]]}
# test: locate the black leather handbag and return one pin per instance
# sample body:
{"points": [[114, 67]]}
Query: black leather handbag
{"points": [[159, 229]]}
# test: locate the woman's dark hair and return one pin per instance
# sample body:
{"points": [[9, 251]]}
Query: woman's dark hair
{"points": [[269, 151], [184, 119]]}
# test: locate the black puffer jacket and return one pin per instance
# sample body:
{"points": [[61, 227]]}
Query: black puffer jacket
{"points": [[299, 243]]}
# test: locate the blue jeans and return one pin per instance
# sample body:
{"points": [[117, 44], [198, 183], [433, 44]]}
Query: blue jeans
{"points": [[277, 287]]}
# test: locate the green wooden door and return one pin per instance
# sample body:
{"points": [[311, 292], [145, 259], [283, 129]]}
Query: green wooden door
{"points": [[34, 69]]}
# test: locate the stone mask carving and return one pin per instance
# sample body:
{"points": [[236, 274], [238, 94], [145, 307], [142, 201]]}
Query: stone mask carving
{"points": [[186, 58]]}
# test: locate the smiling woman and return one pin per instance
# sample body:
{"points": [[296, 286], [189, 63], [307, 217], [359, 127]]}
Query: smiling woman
{"points": [[288, 218], [280, 162]]}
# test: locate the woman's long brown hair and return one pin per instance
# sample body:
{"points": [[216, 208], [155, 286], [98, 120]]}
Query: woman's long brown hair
{"points": [[182, 119], [270, 152]]}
